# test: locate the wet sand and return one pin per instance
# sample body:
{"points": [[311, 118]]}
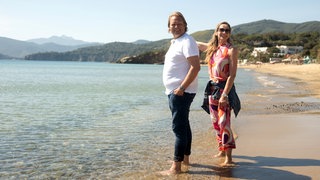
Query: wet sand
{"points": [[277, 132]]}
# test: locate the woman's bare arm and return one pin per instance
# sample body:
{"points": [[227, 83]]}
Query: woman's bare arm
{"points": [[202, 46]]}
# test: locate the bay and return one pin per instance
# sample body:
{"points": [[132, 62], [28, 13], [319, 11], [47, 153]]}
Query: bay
{"points": [[87, 119]]}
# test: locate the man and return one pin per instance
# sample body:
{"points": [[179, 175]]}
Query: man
{"points": [[180, 73]]}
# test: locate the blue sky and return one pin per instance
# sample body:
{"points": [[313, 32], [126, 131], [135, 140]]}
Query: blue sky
{"points": [[129, 20]]}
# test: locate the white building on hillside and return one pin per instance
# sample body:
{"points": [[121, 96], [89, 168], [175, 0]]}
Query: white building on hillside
{"points": [[283, 50], [289, 49], [259, 50]]}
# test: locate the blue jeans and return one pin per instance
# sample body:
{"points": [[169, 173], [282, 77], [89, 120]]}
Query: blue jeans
{"points": [[180, 107]]}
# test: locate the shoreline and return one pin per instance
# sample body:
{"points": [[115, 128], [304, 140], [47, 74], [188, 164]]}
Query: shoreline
{"points": [[282, 139], [276, 131], [306, 73]]}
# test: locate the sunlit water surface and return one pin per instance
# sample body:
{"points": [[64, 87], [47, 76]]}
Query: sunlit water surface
{"points": [[87, 120]]}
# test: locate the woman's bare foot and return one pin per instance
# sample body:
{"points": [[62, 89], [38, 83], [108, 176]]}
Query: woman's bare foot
{"points": [[228, 164], [228, 160], [220, 154]]}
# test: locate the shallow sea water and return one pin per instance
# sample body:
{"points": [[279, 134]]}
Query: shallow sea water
{"points": [[74, 120]]}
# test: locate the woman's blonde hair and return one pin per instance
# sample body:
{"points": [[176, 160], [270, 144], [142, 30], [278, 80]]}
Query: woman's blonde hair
{"points": [[213, 42]]}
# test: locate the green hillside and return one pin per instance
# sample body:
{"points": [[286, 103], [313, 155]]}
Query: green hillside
{"points": [[110, 52], [246, 36], [267, 26]]}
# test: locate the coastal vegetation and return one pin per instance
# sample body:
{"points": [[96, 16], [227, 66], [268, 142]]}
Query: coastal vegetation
{"points": [[110, 52], [310, 41], [264, 33], [153, 52]]}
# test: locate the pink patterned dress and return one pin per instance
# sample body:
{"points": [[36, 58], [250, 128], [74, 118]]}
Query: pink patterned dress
{"points": [[220, 116]]}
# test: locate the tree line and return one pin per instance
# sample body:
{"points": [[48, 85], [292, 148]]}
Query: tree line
{"points": [[310, 41]]}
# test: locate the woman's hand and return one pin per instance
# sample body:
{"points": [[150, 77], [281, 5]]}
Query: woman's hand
{"points": [[223, 101]]}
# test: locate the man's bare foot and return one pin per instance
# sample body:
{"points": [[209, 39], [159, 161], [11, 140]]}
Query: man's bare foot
{"points": [[175, 169], [169, 172], [186, 160], [220, 154]]}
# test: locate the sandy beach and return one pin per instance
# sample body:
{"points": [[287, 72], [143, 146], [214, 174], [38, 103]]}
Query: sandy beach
{"points": [[307, 74], [277, 132]]}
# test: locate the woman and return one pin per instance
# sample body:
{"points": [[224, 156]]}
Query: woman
{"points": [[222, 58]]}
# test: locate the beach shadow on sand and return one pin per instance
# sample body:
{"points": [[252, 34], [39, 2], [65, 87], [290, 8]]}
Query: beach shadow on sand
{"points": [[258, 167]]}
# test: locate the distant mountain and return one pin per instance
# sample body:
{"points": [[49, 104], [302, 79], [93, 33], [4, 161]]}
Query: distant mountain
{"points": [[136, 51], [141, 41], [111, 52], [61, 40], [5, 57], [18, 49], [262, 27], [267, 26]]}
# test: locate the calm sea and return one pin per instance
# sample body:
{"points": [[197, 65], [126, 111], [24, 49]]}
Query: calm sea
{"points": [[85, 119]]}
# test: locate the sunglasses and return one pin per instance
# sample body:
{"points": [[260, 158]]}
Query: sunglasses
{"points": [[224, 30]]}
